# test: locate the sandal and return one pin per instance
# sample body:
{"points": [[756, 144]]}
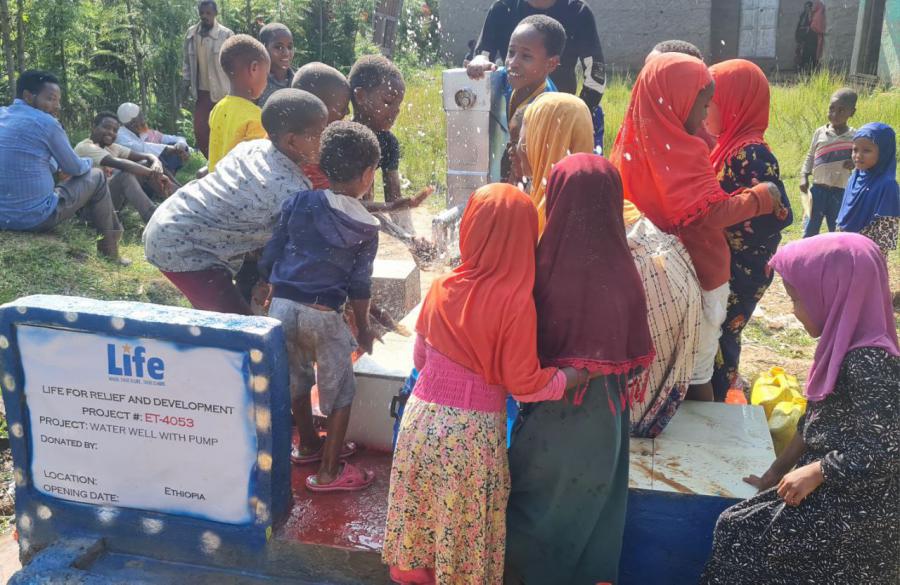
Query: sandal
{"points": [[349, 479], [349, 449]]}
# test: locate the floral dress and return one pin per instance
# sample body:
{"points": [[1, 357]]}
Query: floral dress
{"points": [[753, 243], [449, 482], [883, 231], [848, 529]]}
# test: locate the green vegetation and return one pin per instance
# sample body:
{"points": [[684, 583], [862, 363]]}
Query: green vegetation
{"points": [[64, 262], [106, 52]]}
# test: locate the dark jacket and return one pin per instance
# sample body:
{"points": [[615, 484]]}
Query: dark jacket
{"points": [[320, 254]]}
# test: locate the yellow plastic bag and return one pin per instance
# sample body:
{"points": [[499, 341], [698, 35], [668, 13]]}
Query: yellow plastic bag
{"points": [[779, 394], [783, 423], [773, 387]]}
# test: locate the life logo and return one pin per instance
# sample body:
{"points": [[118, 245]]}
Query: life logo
{"points": [[131, 363]]}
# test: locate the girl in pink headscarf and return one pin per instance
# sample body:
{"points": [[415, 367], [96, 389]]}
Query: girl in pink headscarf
{"points": [[828, 507]]}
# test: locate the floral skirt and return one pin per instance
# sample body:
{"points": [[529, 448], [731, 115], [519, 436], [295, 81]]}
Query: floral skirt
{"points": [[449, 489]]}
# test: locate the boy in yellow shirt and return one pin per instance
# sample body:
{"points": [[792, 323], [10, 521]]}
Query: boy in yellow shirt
{"points": [[235, 118]]}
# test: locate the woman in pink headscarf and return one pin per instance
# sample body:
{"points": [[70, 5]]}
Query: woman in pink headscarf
{"points": [[828, 510]]}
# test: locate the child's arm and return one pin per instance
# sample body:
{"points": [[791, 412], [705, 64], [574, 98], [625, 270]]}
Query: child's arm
{"points": [[401, 203], [871, 454], [876, 430], [762, 166], [360, 292], [782, 464], [392, 190], [759, 200], [419, 352], [478, 66], [807, 168]]}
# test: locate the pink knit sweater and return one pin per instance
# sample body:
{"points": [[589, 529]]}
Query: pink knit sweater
{"points": [[443, 381]]}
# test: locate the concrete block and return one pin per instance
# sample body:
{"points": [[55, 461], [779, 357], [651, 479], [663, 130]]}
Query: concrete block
{"points": [[396, 286]]}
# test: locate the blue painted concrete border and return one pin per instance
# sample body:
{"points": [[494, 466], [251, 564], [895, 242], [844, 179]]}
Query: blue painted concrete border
{"points": [[668, 536]]}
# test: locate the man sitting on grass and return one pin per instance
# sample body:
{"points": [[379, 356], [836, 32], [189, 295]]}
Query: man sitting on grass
{"points": [[135, 134], [34, 146], [130, 172]]}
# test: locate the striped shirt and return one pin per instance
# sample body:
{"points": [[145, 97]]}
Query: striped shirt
{"points": [[827, 155]]}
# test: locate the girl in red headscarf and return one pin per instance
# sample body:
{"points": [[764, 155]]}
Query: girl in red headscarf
{"points": [[476, 343], [666, 173], [739, 116]]}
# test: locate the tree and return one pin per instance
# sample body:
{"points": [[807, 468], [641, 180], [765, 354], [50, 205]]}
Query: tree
{"points": [[106, 52], [138, 54], [20, 36], [7, 48]]}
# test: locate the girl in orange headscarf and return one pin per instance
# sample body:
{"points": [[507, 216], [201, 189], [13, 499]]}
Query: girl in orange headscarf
{"points": [[666, 172], [477, 342], [739, 116]]}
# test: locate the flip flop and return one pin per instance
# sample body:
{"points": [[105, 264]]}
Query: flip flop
{"points": [[349, 479], [349, 449]]}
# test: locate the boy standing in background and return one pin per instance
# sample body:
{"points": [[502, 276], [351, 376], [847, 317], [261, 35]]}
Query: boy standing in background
{"points": [[533, 55], [236, 118], [279, 42], [829, 163]]}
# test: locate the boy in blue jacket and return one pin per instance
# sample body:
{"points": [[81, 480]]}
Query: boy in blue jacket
{"points": [[321, 255]]}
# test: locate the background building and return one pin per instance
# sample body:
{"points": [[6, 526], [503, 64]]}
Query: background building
{"points": [[760, 30]]}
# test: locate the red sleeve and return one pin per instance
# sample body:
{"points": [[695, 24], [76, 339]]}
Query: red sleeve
{"points": [[740, 207]]}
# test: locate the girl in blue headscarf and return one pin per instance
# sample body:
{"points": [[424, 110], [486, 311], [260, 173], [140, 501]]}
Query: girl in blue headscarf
{"points": [[871, 203]]}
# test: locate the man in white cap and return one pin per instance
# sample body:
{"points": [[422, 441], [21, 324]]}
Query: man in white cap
{"points": [[135, 135]]}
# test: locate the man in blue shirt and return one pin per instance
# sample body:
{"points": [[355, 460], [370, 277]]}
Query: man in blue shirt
{"points": [[34, 146]]}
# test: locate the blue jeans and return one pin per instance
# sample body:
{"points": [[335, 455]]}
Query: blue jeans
{"points": [[826, 204], [599, 127]]}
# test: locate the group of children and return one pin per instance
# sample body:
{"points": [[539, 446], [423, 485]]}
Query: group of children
{"points": [[839, 171], [692, 160], [287, 207], [283, 220]]}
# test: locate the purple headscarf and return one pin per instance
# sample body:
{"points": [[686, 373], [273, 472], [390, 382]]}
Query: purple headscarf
{"points": [[842, 282]]}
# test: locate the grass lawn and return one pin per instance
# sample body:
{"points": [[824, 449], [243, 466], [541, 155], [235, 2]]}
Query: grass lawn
{"points": [[64, 262]]}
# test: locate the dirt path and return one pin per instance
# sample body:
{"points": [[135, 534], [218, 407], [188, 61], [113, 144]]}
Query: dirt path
{"points": [[774, 337]]}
